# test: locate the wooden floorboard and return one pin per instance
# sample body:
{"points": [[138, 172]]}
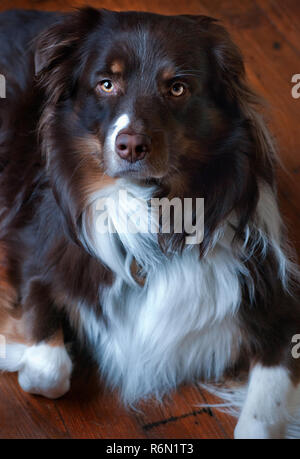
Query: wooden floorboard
{"points": [[267, 31]]}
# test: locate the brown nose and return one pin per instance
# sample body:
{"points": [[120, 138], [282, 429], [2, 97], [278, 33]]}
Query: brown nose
{"points": [[132, 147]]}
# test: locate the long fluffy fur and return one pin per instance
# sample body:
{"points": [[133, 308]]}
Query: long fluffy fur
{"points": [[144, 348], [155, 311]]}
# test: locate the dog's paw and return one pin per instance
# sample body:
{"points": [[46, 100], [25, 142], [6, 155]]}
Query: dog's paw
{"points": [[46, 371], [247, 429]]}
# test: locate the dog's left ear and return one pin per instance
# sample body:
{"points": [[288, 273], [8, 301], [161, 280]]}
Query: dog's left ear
{"points": [[230, 85], [255, 151], [225, 58]]}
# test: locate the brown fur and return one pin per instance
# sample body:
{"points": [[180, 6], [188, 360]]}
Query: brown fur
{"points": [[212, 144]]}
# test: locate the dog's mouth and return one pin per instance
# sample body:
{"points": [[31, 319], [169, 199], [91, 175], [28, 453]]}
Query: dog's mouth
{"points": [[130, 170], [139, 170]]}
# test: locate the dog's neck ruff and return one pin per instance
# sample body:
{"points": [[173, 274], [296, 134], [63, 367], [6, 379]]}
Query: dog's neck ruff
{"points": [[126, 237]]}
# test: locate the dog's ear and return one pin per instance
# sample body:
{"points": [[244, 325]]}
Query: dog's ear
{"points": [[58, 41], [225, 58], [62, 42], [50, 45], [60, 59], [251, 148], [230, 85]]}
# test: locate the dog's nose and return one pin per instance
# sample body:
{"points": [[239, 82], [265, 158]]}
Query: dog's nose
{"points": [[132, 147]]}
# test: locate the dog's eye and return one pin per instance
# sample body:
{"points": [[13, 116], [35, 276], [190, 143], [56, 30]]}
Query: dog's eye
{"points": [[106, 86], [177, 89]]}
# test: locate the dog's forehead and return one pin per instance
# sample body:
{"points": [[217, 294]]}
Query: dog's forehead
{"points": [[154, 41]]}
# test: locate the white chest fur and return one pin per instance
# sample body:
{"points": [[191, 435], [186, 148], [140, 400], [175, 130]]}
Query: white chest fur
{"points": [[182, 324], [176, 328]]}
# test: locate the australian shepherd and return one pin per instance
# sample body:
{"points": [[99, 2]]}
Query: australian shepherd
{"points": [[106, 116]]}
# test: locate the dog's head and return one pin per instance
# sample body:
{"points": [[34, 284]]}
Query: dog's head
{"points": [[154, 99]]}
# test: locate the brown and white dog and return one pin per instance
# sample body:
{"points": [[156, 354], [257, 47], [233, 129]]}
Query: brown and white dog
{"points": [[100, 102]]}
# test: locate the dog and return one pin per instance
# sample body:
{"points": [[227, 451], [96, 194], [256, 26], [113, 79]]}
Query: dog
{"points": [[102, 103]]}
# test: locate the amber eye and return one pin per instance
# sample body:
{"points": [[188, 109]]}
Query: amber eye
{"points": [[177, 89], [106, 86]]}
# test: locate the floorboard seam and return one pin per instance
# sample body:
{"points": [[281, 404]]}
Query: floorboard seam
{"points": [[176, 418]]}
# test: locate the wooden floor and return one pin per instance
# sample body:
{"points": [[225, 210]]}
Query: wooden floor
{"points": [[267, 31]]}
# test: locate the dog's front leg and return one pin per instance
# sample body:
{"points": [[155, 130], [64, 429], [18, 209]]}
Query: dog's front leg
{"points": [[34, 344], [266, 408], [46, 368]]}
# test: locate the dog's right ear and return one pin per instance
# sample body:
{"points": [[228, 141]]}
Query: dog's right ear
{"points": [[62, 42], [60, 59], [50, 44]]}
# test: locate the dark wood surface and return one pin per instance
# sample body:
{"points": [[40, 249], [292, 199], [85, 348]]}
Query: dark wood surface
{"points": [[267, 31]]}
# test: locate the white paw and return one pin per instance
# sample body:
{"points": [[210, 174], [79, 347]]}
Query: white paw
{"points": [[253, 429], [46, 371]]}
